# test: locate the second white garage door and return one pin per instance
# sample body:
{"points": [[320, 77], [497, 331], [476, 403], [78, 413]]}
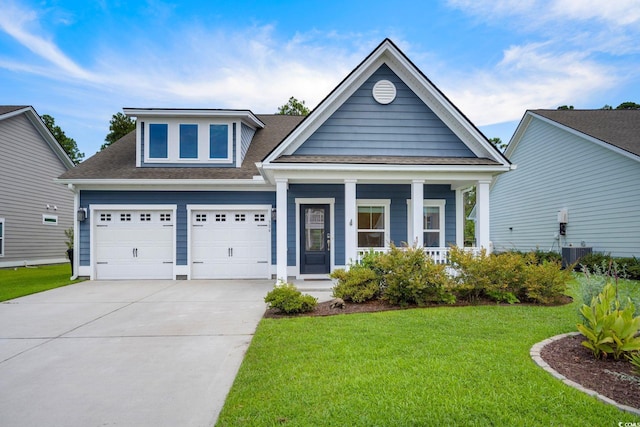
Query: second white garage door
{"points": [[230, 244]]}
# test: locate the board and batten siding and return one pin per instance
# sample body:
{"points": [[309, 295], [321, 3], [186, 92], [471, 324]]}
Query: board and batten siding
{"points": [[28, 167], [556, 170], [405, 127]]}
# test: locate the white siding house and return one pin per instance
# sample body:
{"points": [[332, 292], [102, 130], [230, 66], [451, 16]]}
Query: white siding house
{"points": [[584, 163], [34, 210]]}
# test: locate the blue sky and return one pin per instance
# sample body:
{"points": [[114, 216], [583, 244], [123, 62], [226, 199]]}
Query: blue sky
{"points": [[83, 61]]}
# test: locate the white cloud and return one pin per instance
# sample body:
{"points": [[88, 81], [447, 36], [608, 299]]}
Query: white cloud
{"points": [[529, 76], [15, 21], [618, 12]]}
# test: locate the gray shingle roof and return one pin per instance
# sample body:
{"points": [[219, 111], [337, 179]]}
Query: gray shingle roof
{"points": [[386, 160], [4, 109], [620, 128], [118, 161]]}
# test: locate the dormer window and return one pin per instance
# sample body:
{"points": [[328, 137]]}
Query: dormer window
{"points": [[188, 141], [218, 147], [192, 137], [158, 141], [196, 141]]}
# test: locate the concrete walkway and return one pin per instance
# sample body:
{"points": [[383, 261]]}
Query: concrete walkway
{"points": [[143, 353]]}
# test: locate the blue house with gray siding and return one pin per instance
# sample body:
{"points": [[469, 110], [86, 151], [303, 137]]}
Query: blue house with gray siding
{"points": [[210, 193]]}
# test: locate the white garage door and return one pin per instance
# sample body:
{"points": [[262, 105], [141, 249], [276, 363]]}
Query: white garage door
{"points": [[230, 244], [134, 244]]}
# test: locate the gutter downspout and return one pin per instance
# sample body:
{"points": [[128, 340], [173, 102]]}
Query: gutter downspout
{"points": [[76, 237]]}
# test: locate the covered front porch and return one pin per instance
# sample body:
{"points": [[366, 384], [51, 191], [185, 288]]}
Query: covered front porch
{"points": [[324, 226]]}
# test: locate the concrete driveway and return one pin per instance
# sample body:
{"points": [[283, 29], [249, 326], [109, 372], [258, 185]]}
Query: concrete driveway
{"points": [[140, 353]]}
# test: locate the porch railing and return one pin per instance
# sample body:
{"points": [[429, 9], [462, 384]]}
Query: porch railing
{"points": [[438, 255]]}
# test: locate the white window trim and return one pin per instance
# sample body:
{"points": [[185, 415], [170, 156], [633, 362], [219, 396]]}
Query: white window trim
{"points": [[48, 219], [2, 238], [173, 141], [386, 204], [440, 203]]}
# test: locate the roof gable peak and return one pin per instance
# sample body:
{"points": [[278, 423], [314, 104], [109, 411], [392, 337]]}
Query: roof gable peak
{"points": [[387, 53]]}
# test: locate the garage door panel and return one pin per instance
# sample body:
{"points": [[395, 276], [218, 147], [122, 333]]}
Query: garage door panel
{"points": [[133, 244], [230, 244]]}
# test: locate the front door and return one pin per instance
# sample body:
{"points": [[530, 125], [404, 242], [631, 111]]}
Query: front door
{"points": [[315, 239]]}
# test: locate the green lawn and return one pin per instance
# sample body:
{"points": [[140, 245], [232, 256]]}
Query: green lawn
{"points": [[22, 281], [438, 366]]}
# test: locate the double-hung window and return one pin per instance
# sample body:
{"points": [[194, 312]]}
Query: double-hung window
{"points": [[373, 223], [158, 141], [432, 223], [1, 237]]}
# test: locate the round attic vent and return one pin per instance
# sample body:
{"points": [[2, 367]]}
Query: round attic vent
{"points": [[384, 92]]}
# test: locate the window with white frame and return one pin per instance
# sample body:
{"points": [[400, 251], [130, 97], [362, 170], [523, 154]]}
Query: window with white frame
{"points": [[373, 223], [432, 223], [196, 140], [158, 146], [49, 219], [1, 237]]}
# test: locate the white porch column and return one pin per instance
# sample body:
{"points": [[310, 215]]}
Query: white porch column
{"points": [[460, 219], [482, 214], [350, 221], [282, 187], [417, 208]]}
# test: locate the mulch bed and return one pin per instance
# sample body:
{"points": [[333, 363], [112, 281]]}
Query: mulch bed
{"points": [[612, 378]]}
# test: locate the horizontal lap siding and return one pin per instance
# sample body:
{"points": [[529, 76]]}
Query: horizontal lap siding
{"points": [[557, 170], [179, 198], [405, 127], [28, 167]]}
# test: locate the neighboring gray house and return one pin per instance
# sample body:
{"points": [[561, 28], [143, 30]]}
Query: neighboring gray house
{"points": [[580, 167], [34, 210], [207, 193]]}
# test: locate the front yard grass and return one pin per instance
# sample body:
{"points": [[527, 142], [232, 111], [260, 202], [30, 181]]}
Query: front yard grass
{"points": [[417, 367], [23, 281]]}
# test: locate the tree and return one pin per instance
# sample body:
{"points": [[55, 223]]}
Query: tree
{"points": [[498, 143], [294, 108], [565, 107], [68, 144], [119, 126], [628, 106]]}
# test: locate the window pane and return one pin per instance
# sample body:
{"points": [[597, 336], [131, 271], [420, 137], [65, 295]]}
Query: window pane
{"points": [[432, 239], [377, 218], [370, 239], [431, 218], [188, 141], [218, 141], [314, 229], [158, 141], [364, 218]]}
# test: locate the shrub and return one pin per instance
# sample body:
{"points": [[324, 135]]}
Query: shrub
{"points": [[545, 283], [508, 277], [606, 264], [609, 329], [358, 284], [550, 256], [411, 277], [288, 299]]}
